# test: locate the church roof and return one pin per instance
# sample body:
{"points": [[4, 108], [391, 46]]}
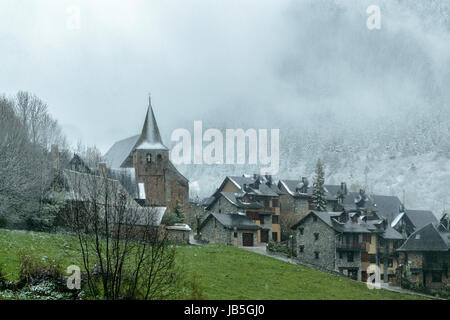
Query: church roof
{"points": [[150, 137], [119, 155]]}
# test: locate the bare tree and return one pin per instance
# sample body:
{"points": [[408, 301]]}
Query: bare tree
{"points": [[287, 221], [125, 252], [42, 129], [26, 133]]}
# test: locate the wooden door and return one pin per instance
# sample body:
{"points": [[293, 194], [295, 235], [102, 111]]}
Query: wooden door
{"points": [[247, 239]]}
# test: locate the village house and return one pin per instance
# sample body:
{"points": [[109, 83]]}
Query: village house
{"points": [[353, 243], [296, 198], [234, 229], [425, 256], [257, 196], [157, 178]]}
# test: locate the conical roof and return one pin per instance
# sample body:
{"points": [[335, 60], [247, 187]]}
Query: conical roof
{"points": [[150, 138]]}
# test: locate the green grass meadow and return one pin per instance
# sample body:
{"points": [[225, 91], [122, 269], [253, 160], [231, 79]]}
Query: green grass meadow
{"points": [[221, 272]]}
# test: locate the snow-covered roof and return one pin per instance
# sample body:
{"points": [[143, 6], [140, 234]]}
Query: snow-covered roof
{"points": [[119, 155], [180, 227], [150, 137]]}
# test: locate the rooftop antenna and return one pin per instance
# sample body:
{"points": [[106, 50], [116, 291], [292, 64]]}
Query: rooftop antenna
{"points": [[149, 98]]}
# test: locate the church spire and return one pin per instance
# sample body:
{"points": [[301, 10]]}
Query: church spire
{"points": [[150, 137]]}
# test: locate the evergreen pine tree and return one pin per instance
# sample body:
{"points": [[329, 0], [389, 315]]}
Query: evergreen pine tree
{"points": [[318, 193], [179, 213]]}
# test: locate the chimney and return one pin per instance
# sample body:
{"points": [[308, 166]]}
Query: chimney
{"points": [[305, 185], [55, 156], [343, 188], [102, 169]]}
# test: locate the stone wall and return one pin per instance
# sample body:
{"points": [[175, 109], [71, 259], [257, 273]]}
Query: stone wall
{"points": [[325, 245], [164, 185], [222, 205], [213, 231], [178, 236]]}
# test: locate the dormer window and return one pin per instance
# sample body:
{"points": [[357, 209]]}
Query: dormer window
{"points": [[148, 158]]}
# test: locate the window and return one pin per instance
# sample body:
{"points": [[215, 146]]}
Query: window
{"points": [[367, 238], [316, 236], [301, 248], [301, 231], [350, 256], [159, 157], [266, 203], [316, 254], [315, 218], [235, 235], [275, 203], [220, 210], [148, 158], [340, 255], [382, 242], [275, 236], [275, 219], [390, 263], [436, 276], [261, 219], [372, 258]]}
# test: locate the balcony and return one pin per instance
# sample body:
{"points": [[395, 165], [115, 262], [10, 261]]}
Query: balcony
{"points": [[352, 246]]}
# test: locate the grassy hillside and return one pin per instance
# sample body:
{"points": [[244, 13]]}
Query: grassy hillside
{"points": [[222, 272]]}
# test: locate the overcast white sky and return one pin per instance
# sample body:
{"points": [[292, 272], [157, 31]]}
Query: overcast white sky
{"points": [[229, 63]]}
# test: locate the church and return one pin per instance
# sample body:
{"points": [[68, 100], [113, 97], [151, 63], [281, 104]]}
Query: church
{"points": [[159, 182]]}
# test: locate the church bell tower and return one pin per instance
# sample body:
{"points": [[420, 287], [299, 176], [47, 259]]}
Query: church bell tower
{"points": [[151, 161]]}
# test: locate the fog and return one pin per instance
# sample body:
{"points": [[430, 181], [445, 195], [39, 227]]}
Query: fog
{"points": [[267, 64]]}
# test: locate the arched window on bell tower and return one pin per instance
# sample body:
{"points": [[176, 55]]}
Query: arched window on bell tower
{"points": [[148, 157]]}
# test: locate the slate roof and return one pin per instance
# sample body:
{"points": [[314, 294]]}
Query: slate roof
{"points": [[324, 216], [386, 206], [88, 187], [427, 238], [118, 156], [292, 185], [391, 233], [150, 137], [349, 226], [264, 189], [120, 150], [420, 218], [234, 199], [232, 220]]}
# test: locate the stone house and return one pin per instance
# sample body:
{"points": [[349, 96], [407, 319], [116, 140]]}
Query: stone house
{"points": [[229, 228], [256, 196], [158, 179], [425, 257], [356, 244], [296, 197]]}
